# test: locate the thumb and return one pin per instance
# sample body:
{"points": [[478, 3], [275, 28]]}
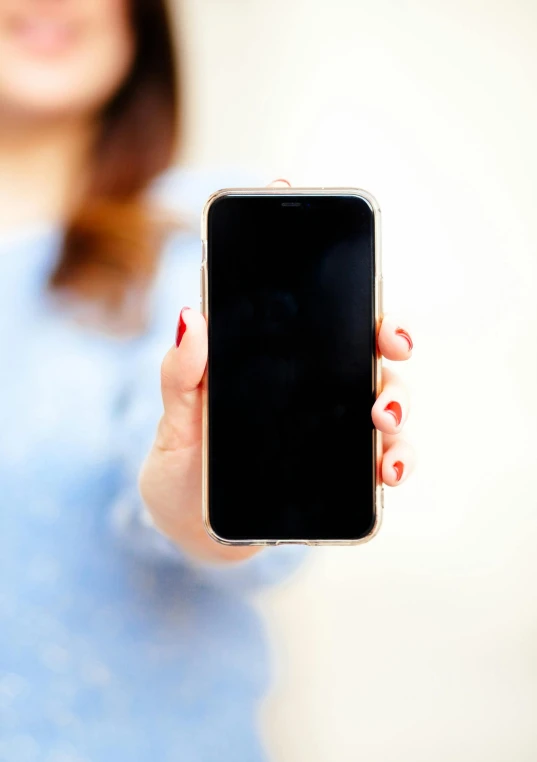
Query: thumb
{"points": [[181, 375]]}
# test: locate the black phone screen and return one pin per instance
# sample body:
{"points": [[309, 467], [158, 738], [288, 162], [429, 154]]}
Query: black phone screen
{"points": [[291, 367]]}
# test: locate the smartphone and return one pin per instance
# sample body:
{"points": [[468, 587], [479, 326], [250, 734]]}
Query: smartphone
{"points": [[291, 291]]}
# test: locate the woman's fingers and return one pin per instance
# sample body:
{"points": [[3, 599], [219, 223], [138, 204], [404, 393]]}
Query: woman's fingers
{"points": [[395, 340], [397, 461], [391, 408], [181, 374], [280, 183]]}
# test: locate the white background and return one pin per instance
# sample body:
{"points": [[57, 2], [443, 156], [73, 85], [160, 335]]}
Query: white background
{"points": [[423, 644]]}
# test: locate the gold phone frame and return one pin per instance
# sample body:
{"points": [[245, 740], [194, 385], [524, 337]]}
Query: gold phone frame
{"points": [[378, 489]]}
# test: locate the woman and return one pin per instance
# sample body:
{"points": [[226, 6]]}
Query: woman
{"points": [[118, 640]]}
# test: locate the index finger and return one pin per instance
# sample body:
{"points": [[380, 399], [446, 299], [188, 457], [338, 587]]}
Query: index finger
{"points": [[280, 183]]}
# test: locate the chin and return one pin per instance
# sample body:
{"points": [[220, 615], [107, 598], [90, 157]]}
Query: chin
{"points": [[47, 109], [82, 84], [36, 98]]}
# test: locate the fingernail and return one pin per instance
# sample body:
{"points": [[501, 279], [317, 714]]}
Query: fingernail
{"points": [[401, 332], [181, 327], [282, 180], [398, 467], [394, 408]]}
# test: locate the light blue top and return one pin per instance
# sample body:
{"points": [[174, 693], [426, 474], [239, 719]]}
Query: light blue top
{"points": [[113, 646]]}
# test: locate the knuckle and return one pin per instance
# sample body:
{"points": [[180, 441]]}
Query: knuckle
{"points": [[169, 436], [175, 435]]}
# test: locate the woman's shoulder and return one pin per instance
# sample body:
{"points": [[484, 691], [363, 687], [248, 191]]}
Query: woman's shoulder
{"points": [[184, 190]]}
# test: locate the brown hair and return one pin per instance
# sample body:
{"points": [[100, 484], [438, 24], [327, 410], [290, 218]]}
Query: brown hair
{"points": [[112, 237]]}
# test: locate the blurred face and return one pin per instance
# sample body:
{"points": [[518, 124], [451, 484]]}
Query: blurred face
{"points": [[62, 57]]}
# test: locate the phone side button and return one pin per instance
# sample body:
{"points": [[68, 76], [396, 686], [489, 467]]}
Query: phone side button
{"points": [[380, 497], [381, 295], [203, 277]]}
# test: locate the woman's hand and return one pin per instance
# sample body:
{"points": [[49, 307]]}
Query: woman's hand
{"points": [[170, 480]]}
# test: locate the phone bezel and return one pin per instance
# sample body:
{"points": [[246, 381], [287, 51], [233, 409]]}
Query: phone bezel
{"points": [[378, 488]]}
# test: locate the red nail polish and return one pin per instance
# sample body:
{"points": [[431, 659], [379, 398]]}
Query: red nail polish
{"points": [[394, 408], [398, 467], [181, 327], [405, 335]]}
